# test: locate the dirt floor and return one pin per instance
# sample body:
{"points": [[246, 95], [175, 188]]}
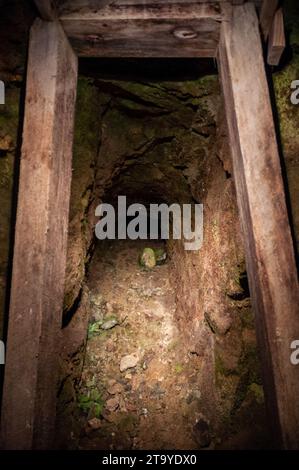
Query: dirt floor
{"points": [[138, 388]]}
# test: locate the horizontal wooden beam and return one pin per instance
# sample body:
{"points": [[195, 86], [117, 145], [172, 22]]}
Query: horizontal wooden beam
{"points": [[277, 40], [264, 219], [164, 30], [68, 6]]}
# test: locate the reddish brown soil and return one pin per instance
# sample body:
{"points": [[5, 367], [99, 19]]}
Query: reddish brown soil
{"points": [[155, 404]]}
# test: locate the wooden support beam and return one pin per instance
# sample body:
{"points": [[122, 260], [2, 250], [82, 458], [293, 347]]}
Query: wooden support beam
{"points": [[68, 6], [263, 214], [47, 9], [277, 40], [164, 30], [267, 13], [29, 397]]}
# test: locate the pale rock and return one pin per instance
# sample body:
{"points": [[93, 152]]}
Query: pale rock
{"points": [[128, 362], [115, 389], [94, 423], [112, 404]]}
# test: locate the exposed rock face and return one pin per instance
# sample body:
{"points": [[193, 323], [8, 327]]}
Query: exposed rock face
{"points": [[9, 123], [86, 142], [213, 306], [166, 142], [288, 114], [128, 362]]}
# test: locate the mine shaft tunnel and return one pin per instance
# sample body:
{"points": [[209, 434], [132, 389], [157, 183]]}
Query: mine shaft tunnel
{"points": [[170, 344], [158, 345]]}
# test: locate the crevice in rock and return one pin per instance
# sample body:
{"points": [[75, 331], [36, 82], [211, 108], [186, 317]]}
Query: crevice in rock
{"points": [[70, 312]]}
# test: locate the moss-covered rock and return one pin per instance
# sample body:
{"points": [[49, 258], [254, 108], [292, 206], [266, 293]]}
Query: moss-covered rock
{"points": [[85, 149], [288, 113], [148, 258]]}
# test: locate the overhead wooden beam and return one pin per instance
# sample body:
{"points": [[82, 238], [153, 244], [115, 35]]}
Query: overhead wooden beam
{"points": [[263, 214], [30, 387], [164, 30], [68, 6], [277, 40], [267, 13], [47, 9]]}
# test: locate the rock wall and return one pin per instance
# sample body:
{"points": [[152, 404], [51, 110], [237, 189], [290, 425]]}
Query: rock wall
{"points": [[9, 124], [287, 114], [81, 218], [166, 142], [214, 311]]}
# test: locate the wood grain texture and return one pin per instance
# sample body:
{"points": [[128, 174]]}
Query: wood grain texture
{"points": [[47, 9], [29, 399], [69, 6], [189, 30], [267, 13], [277, 40], [263, 214]]}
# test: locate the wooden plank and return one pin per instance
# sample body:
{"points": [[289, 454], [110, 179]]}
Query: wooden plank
{"points": [[267, 13], [68, 6], [47, 9], [189, 30], [277, 40], [29, 397], [263, 215]]}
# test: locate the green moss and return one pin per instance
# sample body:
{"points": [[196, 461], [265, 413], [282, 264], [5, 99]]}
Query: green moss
{"points": [[287, 112], [220, 369], [258, 392], [247, 318], [249, 373], [160, 255], [9, 114], [94, 329], [148, 258], [178, 368], [86, 142], [91, 403]]}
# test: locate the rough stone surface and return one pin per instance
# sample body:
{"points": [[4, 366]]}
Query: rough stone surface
{"points": [[94, 423], [9, 121], [128, 362], [148, 258]]}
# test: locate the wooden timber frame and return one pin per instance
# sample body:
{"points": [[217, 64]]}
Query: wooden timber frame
{"points": [[227, 31]]}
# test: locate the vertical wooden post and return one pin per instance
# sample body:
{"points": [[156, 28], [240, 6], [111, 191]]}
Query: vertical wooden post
{"points": [[29, 397], [261, 200]]}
